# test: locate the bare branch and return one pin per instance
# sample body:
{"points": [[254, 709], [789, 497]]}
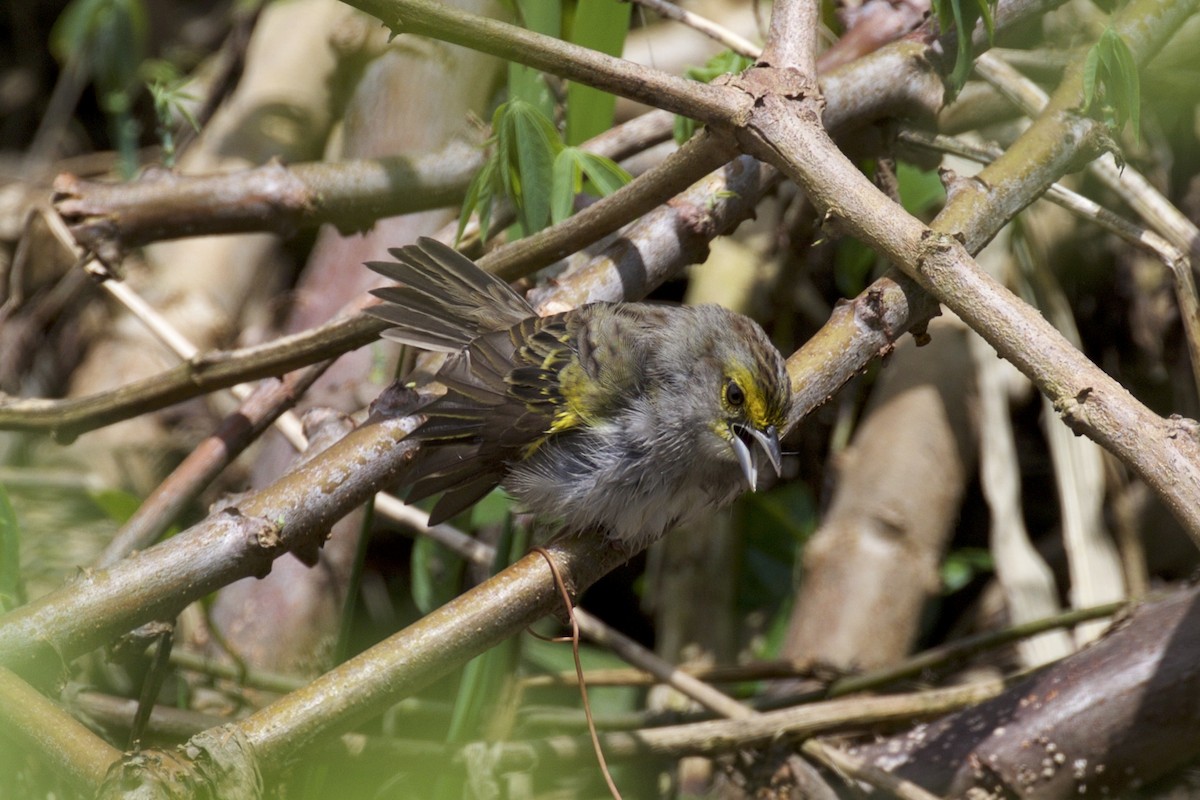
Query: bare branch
{"points": [[730, 39], [792, 38], [108, 218], [651, 86]]}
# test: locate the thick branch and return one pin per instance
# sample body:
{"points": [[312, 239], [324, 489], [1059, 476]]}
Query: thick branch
{"points": [[294, 513], [420, 654], [1098, 723], [792, 38], [273, 197]]}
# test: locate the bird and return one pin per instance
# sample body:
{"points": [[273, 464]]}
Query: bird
{"points": [[628, 418]]}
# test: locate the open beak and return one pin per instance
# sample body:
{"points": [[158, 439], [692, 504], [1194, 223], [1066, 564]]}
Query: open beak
{"points": [[744, 436]]}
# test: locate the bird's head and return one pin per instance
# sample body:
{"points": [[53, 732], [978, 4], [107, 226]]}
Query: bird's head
{"points": [[743, 391]]}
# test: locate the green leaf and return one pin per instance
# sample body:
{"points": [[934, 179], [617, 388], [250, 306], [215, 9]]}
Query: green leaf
{"points": [[1111, 83], [920, 189], [987, 14], [106, 41], [605, 174], [962, 566], [116, 504], [961, 15], [503, 133], [478, 199], [436, 573], [1091, 67], [963, 23], [599, 25], [944, 13], [527, 142], [526, 83], [684, 128], [568, 180], [1127, 97], [494, 508], [535, 140], [12, 593], [722, 63]]}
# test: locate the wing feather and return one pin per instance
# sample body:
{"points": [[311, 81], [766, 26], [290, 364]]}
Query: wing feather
{"points": [[503, 377]]}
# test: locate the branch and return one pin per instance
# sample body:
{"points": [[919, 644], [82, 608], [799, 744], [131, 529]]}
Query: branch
{"points": [[696, 158], [107, 218], [1098, 723], [1166, 453], [202, 465], [792, 38], [731, 39], [218, 369], [625, 78]]}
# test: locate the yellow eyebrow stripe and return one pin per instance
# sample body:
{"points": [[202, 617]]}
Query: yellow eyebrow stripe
{"points": [[758, 410]]}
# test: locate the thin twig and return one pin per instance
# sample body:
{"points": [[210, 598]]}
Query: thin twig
{"points": [[934, 658], [734, 41], [857, 768], [198, 469], [287, 423], [583, 693], [1083, 207]]}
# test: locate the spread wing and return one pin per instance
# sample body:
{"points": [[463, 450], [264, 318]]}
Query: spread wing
{"points": [[445, 300], [504, 395]]}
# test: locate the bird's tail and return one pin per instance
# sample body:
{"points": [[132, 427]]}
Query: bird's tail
{"points": [[446, 303], [445, 300]]}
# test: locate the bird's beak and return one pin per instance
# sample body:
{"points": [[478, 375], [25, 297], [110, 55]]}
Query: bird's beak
{"points": [[768, 440]]}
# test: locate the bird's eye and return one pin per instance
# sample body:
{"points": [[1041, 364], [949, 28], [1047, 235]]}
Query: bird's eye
{"points": [[734, 394]]}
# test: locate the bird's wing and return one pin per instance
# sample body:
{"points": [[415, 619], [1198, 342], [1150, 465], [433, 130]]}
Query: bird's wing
{"points": [[504, 397], [445, 300]]}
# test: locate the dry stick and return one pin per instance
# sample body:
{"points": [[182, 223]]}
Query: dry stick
{"points": [[734, 41], [287, 423], [769, 727], [110, 218], [699, 156], [914, 666], [206, 461], [855, 767], [212, 370], [662, 670], [250, 677], [595, 629], [1058, 194], [159, 326], [570, 61], [583, 693], [693, 685], [1132, 187]]}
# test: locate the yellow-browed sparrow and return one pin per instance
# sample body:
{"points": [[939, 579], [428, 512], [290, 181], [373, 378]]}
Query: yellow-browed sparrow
{"points": [[629, 417]]}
